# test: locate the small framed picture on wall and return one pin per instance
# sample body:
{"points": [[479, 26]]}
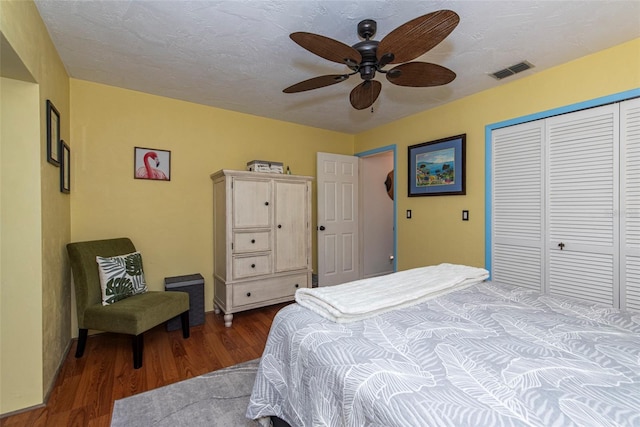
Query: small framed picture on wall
{"points": [[53, 134], [151, 163], [65, 168]]}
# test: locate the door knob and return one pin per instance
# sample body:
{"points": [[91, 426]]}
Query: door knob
{"points": [[321, 228]]}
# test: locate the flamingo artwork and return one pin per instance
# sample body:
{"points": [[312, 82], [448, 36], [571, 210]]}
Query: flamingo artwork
{"points": [[148, 171]]}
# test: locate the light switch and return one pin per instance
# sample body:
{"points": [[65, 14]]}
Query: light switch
{"points": [[408, 213], [465, 215]]}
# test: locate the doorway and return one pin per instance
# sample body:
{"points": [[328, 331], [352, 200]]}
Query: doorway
{"points": [[377, 212]]}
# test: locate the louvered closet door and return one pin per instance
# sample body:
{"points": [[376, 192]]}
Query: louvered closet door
{"points": [[582, 200], [518, 205], [630, 203]]}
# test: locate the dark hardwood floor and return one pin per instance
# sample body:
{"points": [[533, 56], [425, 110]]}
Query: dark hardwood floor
{"points": [[86, 388]]}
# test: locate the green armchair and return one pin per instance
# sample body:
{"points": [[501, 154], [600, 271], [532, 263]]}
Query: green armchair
{"points": [[133, 315]]}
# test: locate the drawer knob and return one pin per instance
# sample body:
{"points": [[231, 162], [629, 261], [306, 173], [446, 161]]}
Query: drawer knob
{"points": [[248, 294], [266, 203], [279, 225], [297, 286], [253, 266], [253, 240]]}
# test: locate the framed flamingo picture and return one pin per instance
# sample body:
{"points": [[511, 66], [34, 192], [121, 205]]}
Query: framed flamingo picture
{"points": [[150, 163]]}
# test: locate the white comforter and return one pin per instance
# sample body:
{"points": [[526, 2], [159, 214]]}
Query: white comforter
{"points": [[366, 298]]}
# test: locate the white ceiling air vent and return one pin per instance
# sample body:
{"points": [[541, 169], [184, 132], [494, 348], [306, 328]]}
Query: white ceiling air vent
{"points": [[510, 71]]}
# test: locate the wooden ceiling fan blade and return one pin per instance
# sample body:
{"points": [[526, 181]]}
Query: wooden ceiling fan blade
{"points": [[316, 82], [418, 36], [420, 74], [365, 94], [327, 48]]}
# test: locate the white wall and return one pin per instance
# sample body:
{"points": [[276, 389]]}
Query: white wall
{"points": [[376, 215]]}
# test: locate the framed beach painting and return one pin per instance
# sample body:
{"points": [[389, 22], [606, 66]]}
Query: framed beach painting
{"points": [[437, 168], [151, 163]]}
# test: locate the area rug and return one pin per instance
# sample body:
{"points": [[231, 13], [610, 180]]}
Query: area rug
{"points": [[218, 398]]}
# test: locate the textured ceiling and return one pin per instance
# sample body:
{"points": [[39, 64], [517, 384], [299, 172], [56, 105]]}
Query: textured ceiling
{"points": [[237, 55]]}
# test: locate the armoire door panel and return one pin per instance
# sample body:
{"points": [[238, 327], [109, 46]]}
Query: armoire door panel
{"points": [[251, 203], [290, 225]]}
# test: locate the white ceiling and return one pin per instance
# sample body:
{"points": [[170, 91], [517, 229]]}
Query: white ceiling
{"points": [[237, 55]]}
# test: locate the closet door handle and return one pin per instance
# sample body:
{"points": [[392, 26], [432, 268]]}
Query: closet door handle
{"points": [[561, 245]]}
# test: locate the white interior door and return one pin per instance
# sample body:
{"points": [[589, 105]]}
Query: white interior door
{"points": [[630, 203], [338, 239], [518, 205], [583, 232]]}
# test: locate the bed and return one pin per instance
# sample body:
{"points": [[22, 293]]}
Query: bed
{"points": [[480, 354]]}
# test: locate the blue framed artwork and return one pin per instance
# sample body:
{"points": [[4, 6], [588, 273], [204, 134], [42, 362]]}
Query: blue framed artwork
{"points": [[437, 168]]}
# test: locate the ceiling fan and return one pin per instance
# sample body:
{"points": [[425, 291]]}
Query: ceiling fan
{"points": [[407, 42]]}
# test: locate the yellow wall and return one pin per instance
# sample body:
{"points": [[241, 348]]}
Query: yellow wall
{"points": [[49, 327], [436, 233], [20, 232], [171, 223]]}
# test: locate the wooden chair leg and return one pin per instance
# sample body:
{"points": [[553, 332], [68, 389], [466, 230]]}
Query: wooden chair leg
{"points": [[138, 345], [184, 317], [82, 342]]}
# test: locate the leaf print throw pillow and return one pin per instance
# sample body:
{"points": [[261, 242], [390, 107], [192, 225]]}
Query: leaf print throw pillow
{"points": [[121, 277]]}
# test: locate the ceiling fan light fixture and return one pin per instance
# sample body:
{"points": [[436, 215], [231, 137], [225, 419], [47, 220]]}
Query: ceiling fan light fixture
{"points": [[406, 43], [367, 72]]}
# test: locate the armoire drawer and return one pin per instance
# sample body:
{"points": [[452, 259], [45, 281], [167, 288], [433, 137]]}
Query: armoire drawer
{"points": [[268, 289], [251, 265], [251, 241]]}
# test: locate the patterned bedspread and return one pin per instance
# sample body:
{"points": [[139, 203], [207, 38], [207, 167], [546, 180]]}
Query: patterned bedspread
{"points": [[486, 355]]}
